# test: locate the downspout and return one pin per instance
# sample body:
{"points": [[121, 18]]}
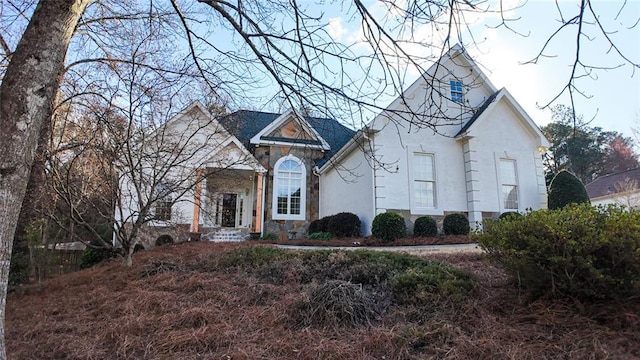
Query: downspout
{"points": [[370, 140], [264, 182], [315, 172]]}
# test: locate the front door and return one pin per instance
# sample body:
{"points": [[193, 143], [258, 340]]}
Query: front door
{"points": [[229, 210]]}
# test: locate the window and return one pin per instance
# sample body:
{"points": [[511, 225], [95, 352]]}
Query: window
{"points": [[424, 181], [163, 210], [289, 183], [163, 202], [456, 91], [509, 181]]}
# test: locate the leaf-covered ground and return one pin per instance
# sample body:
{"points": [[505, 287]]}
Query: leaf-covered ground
{"points": [[179, 302]]}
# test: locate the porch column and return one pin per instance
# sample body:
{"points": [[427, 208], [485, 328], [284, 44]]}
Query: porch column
{"points": [[257, 227], [195, 224]]}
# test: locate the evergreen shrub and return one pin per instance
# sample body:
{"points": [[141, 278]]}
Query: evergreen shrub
{"points": [[456, 224], [344, 224], [509, 215], [566, 189], [578, 251], [388, 226], [425, 226]]}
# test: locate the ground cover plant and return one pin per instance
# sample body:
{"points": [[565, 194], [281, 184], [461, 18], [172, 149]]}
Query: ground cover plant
{"points": [[205, 300]]}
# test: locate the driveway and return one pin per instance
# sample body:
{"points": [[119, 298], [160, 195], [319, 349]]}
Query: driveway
{"points": [[466, 248]]}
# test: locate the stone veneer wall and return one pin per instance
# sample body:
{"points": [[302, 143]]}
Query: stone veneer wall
{"points": [[268, 156]]}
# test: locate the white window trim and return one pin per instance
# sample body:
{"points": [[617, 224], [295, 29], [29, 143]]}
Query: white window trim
{"points": [[303, 191], [501, 198], [411, 151], [451, 92]]}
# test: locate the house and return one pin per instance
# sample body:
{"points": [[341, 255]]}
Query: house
{"points": [[483, 157], [621, 188], [246, 173]]}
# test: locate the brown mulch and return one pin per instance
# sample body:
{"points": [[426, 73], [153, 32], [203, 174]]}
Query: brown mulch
{"points": [[174, 303], [408, 241]]}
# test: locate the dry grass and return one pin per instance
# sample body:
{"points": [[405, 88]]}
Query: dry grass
{"points": [[176, 303]]}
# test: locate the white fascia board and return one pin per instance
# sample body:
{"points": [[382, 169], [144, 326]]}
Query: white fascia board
{"points": [[256, 139], [342, 153], [254, 163]]}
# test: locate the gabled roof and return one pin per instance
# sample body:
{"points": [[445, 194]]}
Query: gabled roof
{"points": [[614, 183], [309, 137], [485, 109], [246, 124], [249, 164], [478, 112]]}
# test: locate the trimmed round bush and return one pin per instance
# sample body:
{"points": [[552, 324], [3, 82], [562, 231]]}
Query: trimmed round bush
{"points": [[425, 226], [566, 189], [344, 224], [456, 224], [320, 225], [509, 215], [388, 226], [578, 251]]}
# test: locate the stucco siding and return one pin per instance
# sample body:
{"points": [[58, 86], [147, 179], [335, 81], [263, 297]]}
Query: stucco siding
{"points": [[501, 135], [349, 188]]}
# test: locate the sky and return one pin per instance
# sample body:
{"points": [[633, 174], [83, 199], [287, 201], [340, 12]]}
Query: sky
{"points": [[611, 97]]}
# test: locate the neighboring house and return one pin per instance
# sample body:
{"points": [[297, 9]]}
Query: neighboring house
{"points": [[256, 175], [485, 159], [622, 188]]}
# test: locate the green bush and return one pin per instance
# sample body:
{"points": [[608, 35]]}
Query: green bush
{"points": [[578, 251], [388, 226], [509, 215], [566, 189], [432, 282], [317, 226], [94, 254], [269, 236], [320, 236], [344, 224], [456, 224], [320, 225], [425, 226]]}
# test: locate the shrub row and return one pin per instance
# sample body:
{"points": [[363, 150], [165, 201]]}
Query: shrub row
{"points": [[390, 226], [578, 251]]}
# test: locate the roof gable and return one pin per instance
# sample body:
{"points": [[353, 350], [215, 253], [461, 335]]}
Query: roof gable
{"points": [[246, 124], [290, 128], [233, 155], [484, 111]]}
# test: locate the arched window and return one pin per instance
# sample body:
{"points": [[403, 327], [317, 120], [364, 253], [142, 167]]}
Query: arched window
{"points": [[289, 185]]}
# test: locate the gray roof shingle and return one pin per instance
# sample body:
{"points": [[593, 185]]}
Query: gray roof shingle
{"points": [[245, 124], [611, 184]]}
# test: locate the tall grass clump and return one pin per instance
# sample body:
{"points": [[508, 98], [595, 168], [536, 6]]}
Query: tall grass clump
{"points": [[578, 251]]}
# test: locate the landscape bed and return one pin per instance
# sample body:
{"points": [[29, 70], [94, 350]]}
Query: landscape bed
{"points": [[241, 301]]}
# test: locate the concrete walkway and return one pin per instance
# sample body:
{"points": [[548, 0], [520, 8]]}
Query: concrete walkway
{"points": [[467, 248]]}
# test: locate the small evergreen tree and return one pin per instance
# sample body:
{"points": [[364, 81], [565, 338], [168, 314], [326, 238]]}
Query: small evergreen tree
{"points": [[566, 189]]}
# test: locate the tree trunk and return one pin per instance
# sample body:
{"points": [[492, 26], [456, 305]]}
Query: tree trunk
{"points": [[27, 94]]}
